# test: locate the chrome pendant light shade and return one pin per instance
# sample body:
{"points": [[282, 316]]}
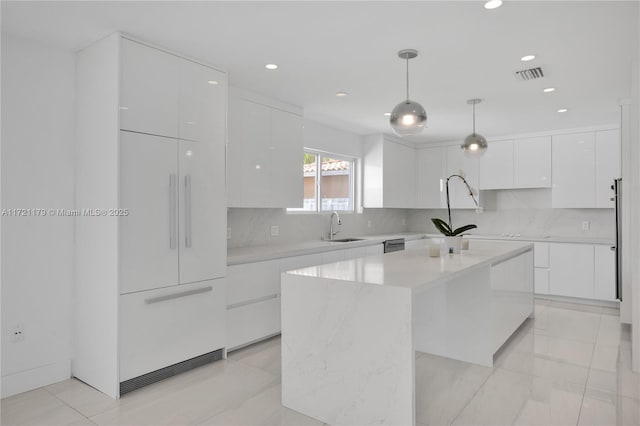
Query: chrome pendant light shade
{"points": [[474, 145], [408, 117]]}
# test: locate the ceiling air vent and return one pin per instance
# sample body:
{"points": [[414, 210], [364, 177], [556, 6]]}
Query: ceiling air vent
{"points": [[529, 74]]}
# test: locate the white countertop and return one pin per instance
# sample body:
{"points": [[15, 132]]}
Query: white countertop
{"points": [[251, 254], [538, 238], [414, 269], [239, 255]]}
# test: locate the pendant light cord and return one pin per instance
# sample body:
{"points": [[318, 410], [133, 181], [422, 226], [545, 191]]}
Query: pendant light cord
{"points": [[474, 118], [407, 78]]}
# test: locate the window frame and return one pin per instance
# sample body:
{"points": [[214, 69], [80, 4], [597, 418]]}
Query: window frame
{"points": [[318, 183]]}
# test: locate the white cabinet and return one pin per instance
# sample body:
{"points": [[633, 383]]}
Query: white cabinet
{"points": [[573, 170], [253, 302], [496, 166], [457, 163], [541, 264], [150, 286], [250, 282], [532, 162], [166, 326], [174, 215], [390, 178], [148, 234], [541, 277], [571, 270], [604, 272], [148, 90], [584, 167], [332, 256], [607, 166], [265, 156], [431, 171]]}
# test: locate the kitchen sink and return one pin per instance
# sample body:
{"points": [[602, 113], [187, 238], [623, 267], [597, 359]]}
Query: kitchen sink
{"points": [[345, 240]]}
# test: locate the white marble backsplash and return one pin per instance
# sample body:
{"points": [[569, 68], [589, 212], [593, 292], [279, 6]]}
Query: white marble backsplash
{"points": [[526, 212], [252, 227]]}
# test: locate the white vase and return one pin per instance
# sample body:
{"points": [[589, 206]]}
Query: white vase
{"points": [[452, 244]]}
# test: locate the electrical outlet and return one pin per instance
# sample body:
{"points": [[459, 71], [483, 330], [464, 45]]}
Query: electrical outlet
{"points": [[228, 233], [585, 225], [17, 335], [368, 224], [275, 230]]}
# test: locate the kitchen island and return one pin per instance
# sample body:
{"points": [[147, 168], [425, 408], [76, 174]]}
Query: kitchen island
{"points": [[350, 329]]}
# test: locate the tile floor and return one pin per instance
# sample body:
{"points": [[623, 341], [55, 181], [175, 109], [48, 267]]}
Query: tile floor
{"points": [[568, 366]]}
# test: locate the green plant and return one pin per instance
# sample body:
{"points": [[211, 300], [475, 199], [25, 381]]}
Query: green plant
{"points": [[446, 230]]}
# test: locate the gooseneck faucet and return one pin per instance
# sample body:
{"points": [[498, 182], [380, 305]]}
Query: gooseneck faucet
{"points": [[331, 232]]}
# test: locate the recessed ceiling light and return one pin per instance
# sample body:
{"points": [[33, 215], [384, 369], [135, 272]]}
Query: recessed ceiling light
{"points": [[528, 58], [212, 82], [563, 110], [341, 94], [493, 4], [271, 66], [387, 114], [549, 89]]}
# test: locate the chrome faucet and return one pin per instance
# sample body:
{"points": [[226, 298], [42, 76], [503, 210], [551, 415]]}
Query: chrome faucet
{"points": [[331, 232]]}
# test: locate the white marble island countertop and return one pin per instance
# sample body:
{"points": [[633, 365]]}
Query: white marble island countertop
{"points": [[414, 268], [350, 329]]}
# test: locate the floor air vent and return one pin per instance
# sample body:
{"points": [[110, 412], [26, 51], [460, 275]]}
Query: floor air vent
{"points": [[166, 372], [530, 74]]}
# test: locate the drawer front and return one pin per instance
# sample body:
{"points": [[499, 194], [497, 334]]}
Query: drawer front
{"points": [[374, 250], [332, 256], [252, 281], [162, 327], [297, 262], [541, 255], [541, 280], [252, 322]]}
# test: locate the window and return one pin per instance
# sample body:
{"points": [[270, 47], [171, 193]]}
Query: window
{"points": [[328, 182]]}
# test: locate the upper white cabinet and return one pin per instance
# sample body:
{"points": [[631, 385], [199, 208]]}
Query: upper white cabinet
{"points": [[519, 163], [390, 178], [584, 166], [165, 95], [573, 170], [201, 116], [458, 164], [148, 90], [607, 166], [264, 157], [496, 166], [432, 170], [532, 162]]}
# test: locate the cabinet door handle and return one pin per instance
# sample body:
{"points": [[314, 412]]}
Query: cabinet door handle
{"points": [[186, 293], [187, 211], [172, 211]]}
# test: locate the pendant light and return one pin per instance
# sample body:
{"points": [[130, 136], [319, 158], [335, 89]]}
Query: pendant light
{"points": [[408, 117], [474, 145]]}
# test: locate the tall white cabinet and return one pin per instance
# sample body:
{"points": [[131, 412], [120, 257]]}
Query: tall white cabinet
{"points": [[584, 167], [150, 271]]}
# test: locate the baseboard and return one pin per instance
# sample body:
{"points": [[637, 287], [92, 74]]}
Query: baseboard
{"points": [[578, 301], [38, 377]]}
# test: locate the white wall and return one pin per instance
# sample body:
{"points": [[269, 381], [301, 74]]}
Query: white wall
{"points": [[37, 252], [522, 211], [253, 226]]}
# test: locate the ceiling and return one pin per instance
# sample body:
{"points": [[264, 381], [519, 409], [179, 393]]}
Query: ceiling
{"points": [[465, 51]]}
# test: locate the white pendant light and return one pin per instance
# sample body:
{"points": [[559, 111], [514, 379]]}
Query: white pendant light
{"points": [[408, 117], [474, 145]]}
